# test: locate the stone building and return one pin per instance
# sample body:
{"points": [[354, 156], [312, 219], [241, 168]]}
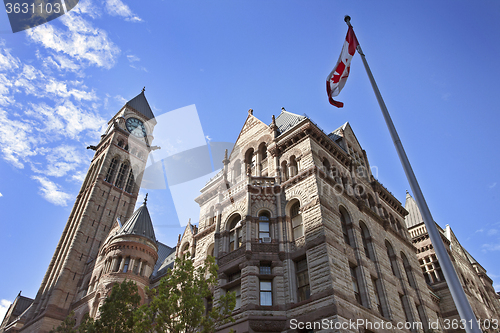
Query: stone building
{"points": [[302, 232], [478, 287]]}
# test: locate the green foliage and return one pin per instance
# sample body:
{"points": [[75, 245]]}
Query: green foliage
{"points": [[177, 305], [117, 312]]}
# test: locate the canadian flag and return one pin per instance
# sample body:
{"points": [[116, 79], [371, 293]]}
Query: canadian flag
{"points": [[338, 77]]}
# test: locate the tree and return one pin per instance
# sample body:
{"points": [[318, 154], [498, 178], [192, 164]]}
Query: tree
{"points": [[117, 312], [178, 303]]}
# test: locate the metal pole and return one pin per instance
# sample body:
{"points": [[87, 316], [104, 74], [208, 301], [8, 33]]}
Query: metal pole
{"points": [[457, 292]]}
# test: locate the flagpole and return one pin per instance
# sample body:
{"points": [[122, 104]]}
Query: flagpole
{"points": [[457, 292]]}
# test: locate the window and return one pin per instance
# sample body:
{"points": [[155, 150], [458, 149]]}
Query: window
{"points": [[303, 291], [237, 291], [404, 304], [293, 167], [263, 151], [284, 171], [392, 258], [326, 166], [421, 314], [264, 234], [355, 285], [235, 238], [266, 293], [136, 266], [117, 264], [344, 220], [378, 300], [121, 175], [249, 160], [125, 266], [407, 267], [111, 170], [297, 227], [210, 305], [365, 236], [265, 269], [130, 182]]}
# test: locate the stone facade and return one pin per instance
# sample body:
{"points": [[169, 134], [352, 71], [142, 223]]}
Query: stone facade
{"points": [[478, 287], [302, 232]]}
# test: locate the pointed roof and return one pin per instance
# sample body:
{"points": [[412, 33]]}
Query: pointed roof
{"points": [[139, 224], [140, 104], [287, 120], [414, 217]]}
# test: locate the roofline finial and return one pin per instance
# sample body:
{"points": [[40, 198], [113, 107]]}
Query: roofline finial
{"points": [[145, 198], [143, 89], [282, 109]]}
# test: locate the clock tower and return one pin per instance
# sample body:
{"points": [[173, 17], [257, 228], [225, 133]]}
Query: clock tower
{"points": [[109, 192]]}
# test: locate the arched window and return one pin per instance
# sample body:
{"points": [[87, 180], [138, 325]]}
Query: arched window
{"points": [[408, 271], [284, 171], [129, 188], [345, 222], [263, 151], [264, 231], [326, 166], [111, 170], [120, 143], [235, 237], [371, 203], [210, 250], [365, 236], [121, 175], [185, 248], [249, 160], [293, 167], [392, 258], [117, 264], [295, 214]]}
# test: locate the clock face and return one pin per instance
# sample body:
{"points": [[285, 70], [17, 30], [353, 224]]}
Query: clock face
{"points": [[136, 127]]}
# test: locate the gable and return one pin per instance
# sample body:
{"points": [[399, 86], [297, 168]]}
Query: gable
{"points": [[252, 129]]}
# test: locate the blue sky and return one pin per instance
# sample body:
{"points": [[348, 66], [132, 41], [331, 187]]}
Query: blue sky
{"points": [[436, 64]]}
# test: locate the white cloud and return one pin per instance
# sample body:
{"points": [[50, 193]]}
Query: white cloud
{"points": [[80, 40], [79, 176], [492, 185], [118, 8], [61, 160], [16, 142], [52, 192], [492, 232], [121, 99], [490, 247], [4, 306], [133, 58], [7, 61], [1, 195], [65, 119]]}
